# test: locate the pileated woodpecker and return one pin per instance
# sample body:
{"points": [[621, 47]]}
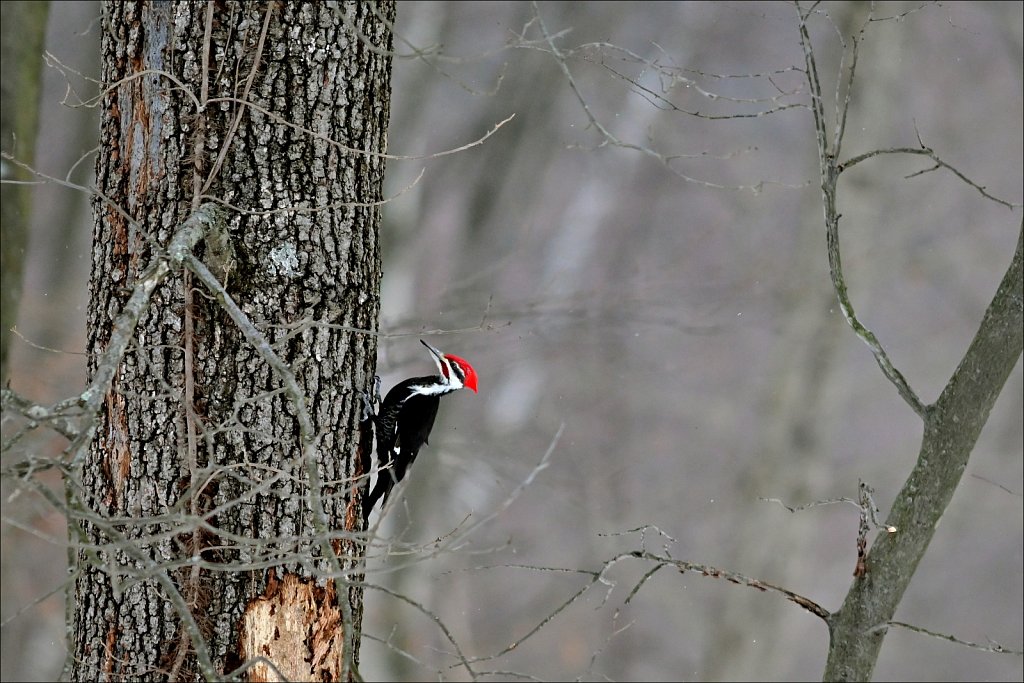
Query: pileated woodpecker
{"points": [[406, 417]]}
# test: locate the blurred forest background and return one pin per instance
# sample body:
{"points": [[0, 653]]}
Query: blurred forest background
{"points": [[680, 332]]}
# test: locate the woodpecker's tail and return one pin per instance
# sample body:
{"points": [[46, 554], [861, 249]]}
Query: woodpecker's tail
{"points": [[385, 482]]}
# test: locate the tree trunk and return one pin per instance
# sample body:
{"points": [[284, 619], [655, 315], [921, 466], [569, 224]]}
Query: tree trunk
{"points": [[205, 530], [951, 428]]}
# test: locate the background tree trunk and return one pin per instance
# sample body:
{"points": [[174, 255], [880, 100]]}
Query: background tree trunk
{"points": [[23, 25], [195, 425]]}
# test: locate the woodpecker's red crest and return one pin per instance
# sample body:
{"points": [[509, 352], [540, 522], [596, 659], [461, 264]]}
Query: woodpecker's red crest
{"points": [[468, 373]]}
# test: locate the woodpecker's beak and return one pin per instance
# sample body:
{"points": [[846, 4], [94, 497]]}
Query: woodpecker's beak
{"points": [[436, 353]]}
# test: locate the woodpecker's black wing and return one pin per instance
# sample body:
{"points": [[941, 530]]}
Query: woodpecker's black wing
{"points": [[404, 422]]}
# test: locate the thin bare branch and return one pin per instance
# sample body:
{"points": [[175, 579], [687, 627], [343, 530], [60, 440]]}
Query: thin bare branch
{"points": [[334, 206], [939, 163], [829, 170], [865, 507], [609, 138], [380, 155], [199, 106], [993, 646], [60, 417], [464, 661], [739, 579]]}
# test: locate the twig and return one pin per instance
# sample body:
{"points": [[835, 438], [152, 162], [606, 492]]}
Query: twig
{"points": [[829, 179], [739, 579], [993, 647], [609, 138], [59, 416], [939, 163], [464, 661]]}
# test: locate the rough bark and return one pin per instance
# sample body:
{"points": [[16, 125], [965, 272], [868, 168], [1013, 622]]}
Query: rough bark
{"points": [[195, 490]]}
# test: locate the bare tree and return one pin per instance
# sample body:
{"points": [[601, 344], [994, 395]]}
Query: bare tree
{"points": [[952, 423], [663, 324]]}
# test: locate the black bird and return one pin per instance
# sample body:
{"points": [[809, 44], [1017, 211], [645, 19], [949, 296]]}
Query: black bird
{"points": [[406, 417]]}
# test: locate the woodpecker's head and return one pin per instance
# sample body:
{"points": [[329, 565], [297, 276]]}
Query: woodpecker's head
{"points": [[456, 372]]}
